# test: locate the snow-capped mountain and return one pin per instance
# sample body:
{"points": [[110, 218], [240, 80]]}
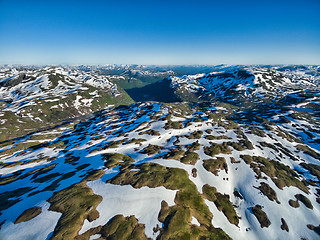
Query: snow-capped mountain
{"points": [[50, 94], [246, 83], [239, 160], [20, 87]]}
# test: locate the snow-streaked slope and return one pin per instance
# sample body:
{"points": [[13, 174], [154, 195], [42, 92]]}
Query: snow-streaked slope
{"points": [[22, 86], [35, 98], [243, 83]]}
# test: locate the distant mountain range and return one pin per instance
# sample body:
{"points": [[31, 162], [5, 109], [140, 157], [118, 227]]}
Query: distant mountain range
{"points": [[160, 152]]}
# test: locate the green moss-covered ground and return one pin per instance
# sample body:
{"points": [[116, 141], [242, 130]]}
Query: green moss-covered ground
{"points": [[189, 202], [261, 216], [222, 202], [279, 173]]}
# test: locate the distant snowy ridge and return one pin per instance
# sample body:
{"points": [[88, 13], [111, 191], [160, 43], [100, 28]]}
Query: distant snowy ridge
{"points": [[34, 97], [17, 86], [246, 82]]}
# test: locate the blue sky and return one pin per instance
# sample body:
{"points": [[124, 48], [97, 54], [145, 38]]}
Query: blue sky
{"points": [[160, 32]]}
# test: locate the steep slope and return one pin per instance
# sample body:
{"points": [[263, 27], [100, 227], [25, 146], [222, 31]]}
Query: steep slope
{"points": [[45, 96], [287, 95], [138, 76], [160, 91], [244, 85], [133, 78]]}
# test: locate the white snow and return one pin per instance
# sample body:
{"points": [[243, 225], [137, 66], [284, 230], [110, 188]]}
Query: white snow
{"points": [[38, 228], [143, 203], [195, 221]]}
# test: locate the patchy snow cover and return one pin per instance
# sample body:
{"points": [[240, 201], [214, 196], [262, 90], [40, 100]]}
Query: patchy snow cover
{"points": [[88, 140], [48, 84], [247, 81], [189, 82], [39, 228], [143, 203]]}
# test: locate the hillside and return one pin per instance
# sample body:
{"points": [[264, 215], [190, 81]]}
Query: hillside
{"points": [[237, 160], [239, 84], [44, 97]]}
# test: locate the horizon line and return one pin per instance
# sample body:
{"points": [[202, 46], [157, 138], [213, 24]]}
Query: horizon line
{"points": [[164, 65]]}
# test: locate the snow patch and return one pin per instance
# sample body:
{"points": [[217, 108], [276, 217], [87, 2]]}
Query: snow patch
{"points": [[144, 203]]}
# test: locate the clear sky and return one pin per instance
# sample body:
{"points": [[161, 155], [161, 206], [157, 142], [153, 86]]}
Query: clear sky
{"points": [[160, 32]]}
